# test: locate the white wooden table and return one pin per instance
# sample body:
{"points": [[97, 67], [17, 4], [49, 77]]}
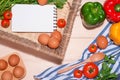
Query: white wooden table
{"points": [[80, 39]]}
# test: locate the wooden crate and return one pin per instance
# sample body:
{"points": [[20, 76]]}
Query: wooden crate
{"points": [[28, 41]]}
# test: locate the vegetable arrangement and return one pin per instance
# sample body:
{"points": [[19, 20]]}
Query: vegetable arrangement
{"points": [[7, 15], [93, 14], [101, 43], [90, 69], [52, 41], [7, 4]]}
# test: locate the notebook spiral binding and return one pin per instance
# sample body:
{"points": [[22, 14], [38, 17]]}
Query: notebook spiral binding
{"points": [[55, 19]]}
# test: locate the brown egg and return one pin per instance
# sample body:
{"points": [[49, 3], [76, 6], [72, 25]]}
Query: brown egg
{"points": [[53, 42], [18, 72], [13, 60], [102, 42], [7, 75], [43, 38], [57, 35], [42, 2], [3, 64]]}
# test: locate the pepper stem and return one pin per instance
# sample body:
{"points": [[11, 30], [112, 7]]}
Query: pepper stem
{"points": [[117, 7]]}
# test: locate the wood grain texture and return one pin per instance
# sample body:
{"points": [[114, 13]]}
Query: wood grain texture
{"points": [[29, 40]]}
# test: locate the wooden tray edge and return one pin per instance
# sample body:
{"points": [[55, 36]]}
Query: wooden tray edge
{"points": [[57, 53]]}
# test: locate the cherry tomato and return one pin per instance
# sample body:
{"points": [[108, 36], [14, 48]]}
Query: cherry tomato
{"points": [[42, 2], [90, 70], [78, 73], [5, 23], [7, 14], [61, 23], [92, 48]]}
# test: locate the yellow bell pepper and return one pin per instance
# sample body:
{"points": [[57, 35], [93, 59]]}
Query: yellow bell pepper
{"points": [[114, 33]]}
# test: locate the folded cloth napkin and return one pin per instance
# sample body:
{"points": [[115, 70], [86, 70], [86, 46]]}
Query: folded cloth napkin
{"points": [[112, 49]]}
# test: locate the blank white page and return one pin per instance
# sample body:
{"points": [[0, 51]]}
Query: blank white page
{"points": [[33, 18]]}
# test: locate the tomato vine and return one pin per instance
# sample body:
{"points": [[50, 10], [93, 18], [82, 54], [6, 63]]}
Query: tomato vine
{"points": [[7, 4]]}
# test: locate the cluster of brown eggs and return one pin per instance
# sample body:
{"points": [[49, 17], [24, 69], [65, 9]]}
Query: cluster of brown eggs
{"points": [[53, 40], [11, 68]]}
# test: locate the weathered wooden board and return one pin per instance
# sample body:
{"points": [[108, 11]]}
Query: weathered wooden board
{"points": [[30, 40]]}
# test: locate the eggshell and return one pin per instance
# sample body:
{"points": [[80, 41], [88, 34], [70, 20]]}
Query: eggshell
{"points": [[13, 60], [6, 72], [57, 35], [18, 72], [7, 75], [43, 38], [102, 42], [53, 42], [3, 64]]}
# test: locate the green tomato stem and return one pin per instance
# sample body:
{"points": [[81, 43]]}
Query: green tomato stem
{"points": [[117, 7]]}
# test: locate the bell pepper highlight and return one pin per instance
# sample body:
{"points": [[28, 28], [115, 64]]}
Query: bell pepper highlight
{"points": [[112, 10]]}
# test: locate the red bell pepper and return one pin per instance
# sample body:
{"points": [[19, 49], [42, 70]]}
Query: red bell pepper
{"points": [[112, 10]]}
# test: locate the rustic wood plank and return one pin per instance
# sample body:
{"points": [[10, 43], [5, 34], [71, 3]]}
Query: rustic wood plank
{"points": [[34, 45]]}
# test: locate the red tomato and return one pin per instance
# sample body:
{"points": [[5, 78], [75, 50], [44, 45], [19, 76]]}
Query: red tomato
{"points": [[92, 48], [7, 14], [5, 23], [61, 23], [78, 73], [42, 2], [90, 70]]}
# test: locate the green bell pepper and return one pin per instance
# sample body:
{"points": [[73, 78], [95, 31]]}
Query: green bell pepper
{"points": [[92, 14]]}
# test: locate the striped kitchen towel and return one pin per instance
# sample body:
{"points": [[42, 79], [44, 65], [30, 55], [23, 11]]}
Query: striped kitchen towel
{"points": [[51, 73]]}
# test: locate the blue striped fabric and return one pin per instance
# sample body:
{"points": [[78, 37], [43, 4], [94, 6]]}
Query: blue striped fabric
{"points": [[51, 73]]}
